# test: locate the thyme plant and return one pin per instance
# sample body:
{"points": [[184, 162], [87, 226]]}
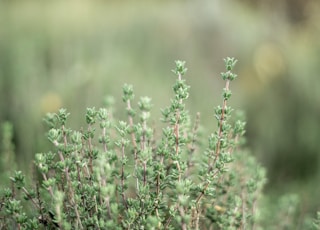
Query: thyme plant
{"points": [[123, 174]]}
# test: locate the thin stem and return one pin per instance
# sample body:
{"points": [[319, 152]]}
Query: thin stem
{"points": [[193, 144], [71, 192], [134, 142], [122, 176], [30, 197], [204, 189], [182, 214], [49, 188], [143, 148], [105, 147], [176, 133], [170, 218], [158, 183], [194, 133], [220, 132], [243, 208], [144, 173], [158, 177], [102, 177], [90, 151]]}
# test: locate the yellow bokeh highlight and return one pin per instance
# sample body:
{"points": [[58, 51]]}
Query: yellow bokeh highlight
{"points": [[268, 62], [50, 102]]}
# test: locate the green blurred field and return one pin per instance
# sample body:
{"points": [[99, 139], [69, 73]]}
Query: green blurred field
{"points": [[72, 54]]}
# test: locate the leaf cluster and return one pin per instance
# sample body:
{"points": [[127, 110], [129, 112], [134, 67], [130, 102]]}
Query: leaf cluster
{"points": [[117, 174]]}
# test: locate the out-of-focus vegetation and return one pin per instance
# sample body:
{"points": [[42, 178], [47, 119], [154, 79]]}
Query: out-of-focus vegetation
{"points": [[72, 54], [134, 179]]}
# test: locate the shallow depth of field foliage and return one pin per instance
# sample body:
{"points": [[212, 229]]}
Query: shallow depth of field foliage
{"points": [[71, 54], [137, 179], [127, 174]]}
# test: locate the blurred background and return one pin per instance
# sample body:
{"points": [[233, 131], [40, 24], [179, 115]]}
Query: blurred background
{"points": [[72, 54]]}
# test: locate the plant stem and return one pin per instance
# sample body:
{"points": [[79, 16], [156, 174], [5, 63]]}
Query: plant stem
{"points": [[71, 192], [220, 132], [134, 142], [122, 177]]}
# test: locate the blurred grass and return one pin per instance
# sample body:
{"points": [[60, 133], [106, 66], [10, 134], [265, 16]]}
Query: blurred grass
{"points": [[71, 54]]}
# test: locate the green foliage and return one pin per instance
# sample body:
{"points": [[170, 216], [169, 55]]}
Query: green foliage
{"points": [[316, 223], [7, 151], [117, 174], [7, 147]]}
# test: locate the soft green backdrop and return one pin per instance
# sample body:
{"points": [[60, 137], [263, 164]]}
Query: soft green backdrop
{"points": [[73, 53]]}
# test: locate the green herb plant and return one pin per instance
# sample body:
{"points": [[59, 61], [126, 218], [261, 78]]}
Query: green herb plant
{"points": [[117, 174]]}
